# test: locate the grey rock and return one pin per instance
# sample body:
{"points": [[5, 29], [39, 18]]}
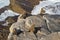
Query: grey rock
{"points": [[18, 25], [23, 6], [42, 33], [25, 36], [53, 22], [38, 21], [52, 36]]}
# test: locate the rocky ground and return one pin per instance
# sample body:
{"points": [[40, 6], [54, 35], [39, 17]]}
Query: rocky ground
{"points": [[36, 28], [39, 27], [4, 27]]}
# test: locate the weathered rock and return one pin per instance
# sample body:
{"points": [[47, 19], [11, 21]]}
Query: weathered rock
{"points": [[5, 25], [3, 34], [23, 6], [42, 33], [18, 26], [46, 31], [21, 17], [38, 21], [9, 21], [52, 36], [53, 22], [26, 36], [3, 9]]}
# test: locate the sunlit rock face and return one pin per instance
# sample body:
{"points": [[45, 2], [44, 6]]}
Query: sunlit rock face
{"points": [[37, 20]]}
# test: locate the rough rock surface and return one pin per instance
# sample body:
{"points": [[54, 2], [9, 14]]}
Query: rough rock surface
{"points": [[26, 36], [23, 6], [52, 36], [5, 25], [38, 21], [25, 25], [45, 28], [53, 22], [18, 25]]}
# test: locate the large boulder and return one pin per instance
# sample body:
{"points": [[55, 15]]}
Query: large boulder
{"points": [[23, 6], [53, 22], [38, 21], [35, 23]]}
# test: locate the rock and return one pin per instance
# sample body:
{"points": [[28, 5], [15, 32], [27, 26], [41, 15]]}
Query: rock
{"points": [[38, 21], [52, 36], [53, 22], [25, 36], [42, 33], [23, 16], [9, 21], [5, 25], [3, 9], [23, 6], [18, 26], [46, 31]]}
